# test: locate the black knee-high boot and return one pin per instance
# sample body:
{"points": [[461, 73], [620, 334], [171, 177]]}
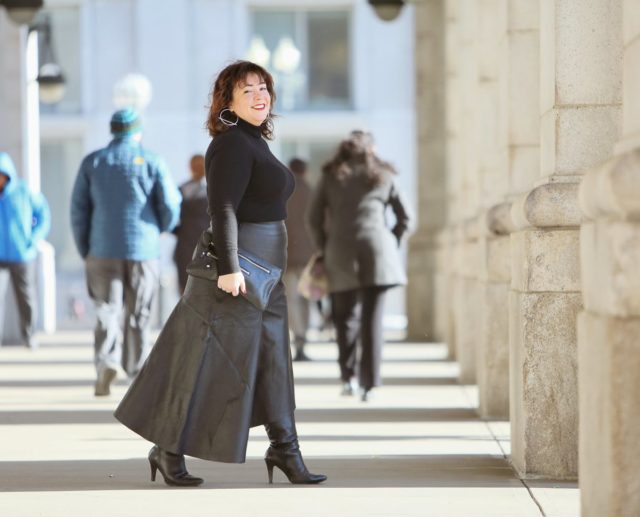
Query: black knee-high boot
{"points": [[284, 453]]}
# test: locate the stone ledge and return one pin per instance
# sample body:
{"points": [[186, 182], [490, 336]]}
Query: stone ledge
{"points": [[610, 254], [612, 190], [499, 221], [551, 205]]}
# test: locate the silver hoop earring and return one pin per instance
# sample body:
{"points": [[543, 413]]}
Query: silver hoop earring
{"points": [[226, 122]]}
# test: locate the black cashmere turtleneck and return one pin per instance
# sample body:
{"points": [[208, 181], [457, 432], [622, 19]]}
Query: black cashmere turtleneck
{"points": [[245, 183]]}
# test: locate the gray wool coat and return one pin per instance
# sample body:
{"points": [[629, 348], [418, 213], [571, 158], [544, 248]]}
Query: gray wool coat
{"points": [[348, 224]]}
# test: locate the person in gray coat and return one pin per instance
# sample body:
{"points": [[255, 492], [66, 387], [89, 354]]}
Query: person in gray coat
{"points": [[347, 221]]}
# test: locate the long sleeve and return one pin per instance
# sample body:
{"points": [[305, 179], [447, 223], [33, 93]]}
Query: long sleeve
{"points": [[316, 215], [401, 212], [228, 165], [166, 198], [81, 209], [41, 217]]}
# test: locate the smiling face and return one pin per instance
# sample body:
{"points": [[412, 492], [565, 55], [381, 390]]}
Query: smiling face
{"points": [[251, 100]]}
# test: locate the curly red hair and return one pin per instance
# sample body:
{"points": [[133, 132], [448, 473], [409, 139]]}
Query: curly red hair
{"points": [[222, 94]]}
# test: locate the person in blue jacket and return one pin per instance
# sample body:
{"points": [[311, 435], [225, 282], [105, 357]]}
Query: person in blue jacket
{"points": [[24, 220], [122, 199]]}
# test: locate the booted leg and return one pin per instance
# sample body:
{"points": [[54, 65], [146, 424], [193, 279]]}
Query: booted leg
{"points": [[171, 467], [345, 311], [284, 453], [371, 338]]}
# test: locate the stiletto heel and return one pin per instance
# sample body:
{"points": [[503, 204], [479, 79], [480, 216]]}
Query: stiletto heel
{"points": [[284, 453], [269, 470], [172, 468]]}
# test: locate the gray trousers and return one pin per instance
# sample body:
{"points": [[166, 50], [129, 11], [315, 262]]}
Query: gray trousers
{"points": [[112, 284], [21, 274], [297, 306]]}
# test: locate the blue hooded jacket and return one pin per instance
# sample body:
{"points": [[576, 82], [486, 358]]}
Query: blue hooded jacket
{"points": [[24, 216], [122, 199]]}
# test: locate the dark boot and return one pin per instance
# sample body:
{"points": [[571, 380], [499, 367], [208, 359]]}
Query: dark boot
{"points": [[284, 453], [300, 354], [171, 467]]}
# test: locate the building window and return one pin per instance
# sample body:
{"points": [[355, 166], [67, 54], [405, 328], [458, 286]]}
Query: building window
{"points": [[309, 54]]}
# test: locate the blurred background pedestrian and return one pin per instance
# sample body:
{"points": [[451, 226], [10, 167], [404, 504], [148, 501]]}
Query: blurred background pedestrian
{"points": [[194, 218], [122, 199], [24, 220], [362, 259], [299, 251]]}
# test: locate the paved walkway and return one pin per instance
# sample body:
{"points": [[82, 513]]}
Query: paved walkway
{"points": [[417, 449]]}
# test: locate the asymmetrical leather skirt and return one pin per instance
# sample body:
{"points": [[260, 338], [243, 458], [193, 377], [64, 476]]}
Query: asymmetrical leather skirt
{"points": [[219, 366]]}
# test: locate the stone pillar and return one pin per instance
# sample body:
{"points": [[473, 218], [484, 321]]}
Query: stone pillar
{"points": [[493, 344], [465, 202], [492, 354], [424, 303], [452, 175], [580, 108], [609, 325]]}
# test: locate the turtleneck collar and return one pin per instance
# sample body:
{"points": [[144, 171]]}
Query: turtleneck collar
{"points": [[255, 131]]}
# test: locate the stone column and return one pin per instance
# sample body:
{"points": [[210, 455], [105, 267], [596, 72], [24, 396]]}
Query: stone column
{"points": [[423, 303], [609, 325], [465, 202], [580, 108], [447, 299], [492, 358]]}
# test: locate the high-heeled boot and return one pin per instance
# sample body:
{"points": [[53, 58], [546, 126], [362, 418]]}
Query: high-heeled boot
{"points": [[284, 453], [172, 468]]}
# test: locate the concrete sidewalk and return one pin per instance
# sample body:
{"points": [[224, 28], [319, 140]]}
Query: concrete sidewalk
{"points": [[417, 449]]}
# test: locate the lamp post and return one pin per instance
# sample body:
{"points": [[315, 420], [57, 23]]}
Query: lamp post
{"points": [[132, 91], [22, 12], [387, 10], [286, 62], [50, 77]]}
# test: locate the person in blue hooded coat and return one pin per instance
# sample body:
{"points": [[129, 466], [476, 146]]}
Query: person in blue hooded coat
{"points": [[25, 219]]}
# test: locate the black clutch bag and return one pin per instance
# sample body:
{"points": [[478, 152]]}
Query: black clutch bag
{"points": [[260, 277]]}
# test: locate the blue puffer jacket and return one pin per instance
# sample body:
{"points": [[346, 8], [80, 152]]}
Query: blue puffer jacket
{"points": [[24, 216], [122, 199]]}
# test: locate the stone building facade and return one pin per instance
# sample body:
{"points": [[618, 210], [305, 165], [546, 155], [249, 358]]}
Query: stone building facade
{"points": [[529, 234]]}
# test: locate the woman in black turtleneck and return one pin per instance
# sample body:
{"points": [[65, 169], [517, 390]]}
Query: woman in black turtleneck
{"points": [[221, 365]]}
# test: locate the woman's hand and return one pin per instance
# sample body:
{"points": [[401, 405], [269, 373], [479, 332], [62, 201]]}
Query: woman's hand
{"points": [[233, 283]]}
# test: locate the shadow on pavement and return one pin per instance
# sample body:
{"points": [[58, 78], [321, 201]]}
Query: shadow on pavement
{"points": [[382, 414], [354, 472]]}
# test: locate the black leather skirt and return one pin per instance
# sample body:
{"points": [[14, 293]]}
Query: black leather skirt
{"points": [[219, 366]]}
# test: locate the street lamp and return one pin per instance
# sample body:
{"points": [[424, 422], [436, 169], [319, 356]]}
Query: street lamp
{"points": [[286, 63], [387, 10], [132, 91], [258, 52], [50, 78], [22, 12]]}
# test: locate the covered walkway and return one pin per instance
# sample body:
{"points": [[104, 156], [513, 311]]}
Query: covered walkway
{"points": [[419, 448]]}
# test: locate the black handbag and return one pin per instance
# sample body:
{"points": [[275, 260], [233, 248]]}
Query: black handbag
{"points": [[260, 277]]}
